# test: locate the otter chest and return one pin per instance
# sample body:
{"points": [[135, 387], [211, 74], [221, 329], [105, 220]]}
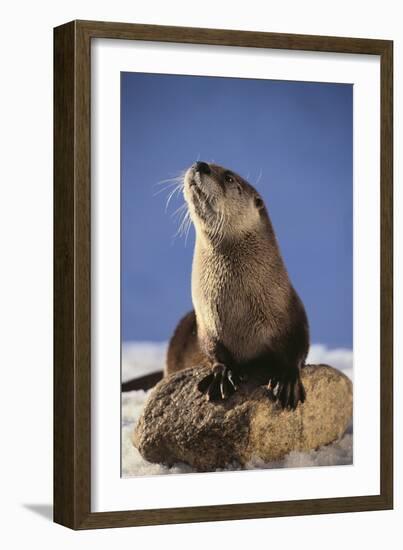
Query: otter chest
{"points": [[228, 301]]}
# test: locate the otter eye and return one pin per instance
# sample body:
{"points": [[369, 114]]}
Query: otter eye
{"points": [[228, 178], [258, 202]]}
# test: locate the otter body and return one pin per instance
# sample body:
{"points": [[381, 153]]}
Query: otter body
{"points": [[248, 320]]}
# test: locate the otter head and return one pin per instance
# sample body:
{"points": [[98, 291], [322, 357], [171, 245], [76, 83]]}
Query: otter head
{"points": [[222, 205]]}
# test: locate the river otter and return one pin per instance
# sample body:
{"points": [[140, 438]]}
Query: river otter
{"points": [[248, 320]]}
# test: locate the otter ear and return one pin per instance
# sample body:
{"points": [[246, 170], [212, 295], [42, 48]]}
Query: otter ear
{"points": [[259, 203]]}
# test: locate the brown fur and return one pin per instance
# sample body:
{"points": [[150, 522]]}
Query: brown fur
{"points": [[184, 350], [247, 315]]}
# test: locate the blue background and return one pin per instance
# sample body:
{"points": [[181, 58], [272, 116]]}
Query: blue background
{"points": [[297, 136]]}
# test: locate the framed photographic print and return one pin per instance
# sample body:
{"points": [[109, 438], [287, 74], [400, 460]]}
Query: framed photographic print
{"points": [[222, 274]]}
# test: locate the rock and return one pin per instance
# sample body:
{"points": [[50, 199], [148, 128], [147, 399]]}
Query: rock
{"points": [[178, 424]]}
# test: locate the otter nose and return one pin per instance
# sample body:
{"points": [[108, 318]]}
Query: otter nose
{"points": [[202, 167]]}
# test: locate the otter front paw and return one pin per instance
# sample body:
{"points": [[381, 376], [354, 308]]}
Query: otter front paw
{"points": [[288, 391], [220, 384]]}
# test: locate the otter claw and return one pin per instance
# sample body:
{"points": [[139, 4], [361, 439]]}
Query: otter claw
{"points": [[204, 383], [231, 379], [291, 394], [288, 392], [220, 384]]}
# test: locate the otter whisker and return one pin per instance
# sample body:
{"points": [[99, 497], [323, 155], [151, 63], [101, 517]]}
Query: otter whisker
{"points": [[183, 215], [189, 223], [164, 190], [171, 181], [179, 210], [168, 188], [182, 225], [178, 188], [259, 177], [179, 177]]}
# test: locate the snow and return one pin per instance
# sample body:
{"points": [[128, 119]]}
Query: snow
{"points": [[339, 358], [140, 358]]}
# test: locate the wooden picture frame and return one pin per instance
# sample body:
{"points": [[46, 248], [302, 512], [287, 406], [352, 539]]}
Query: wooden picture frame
{"points": [[72, 271]]}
